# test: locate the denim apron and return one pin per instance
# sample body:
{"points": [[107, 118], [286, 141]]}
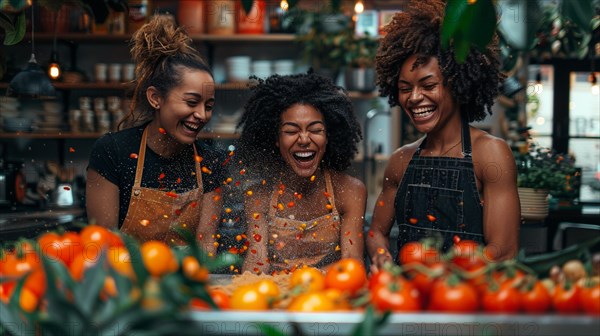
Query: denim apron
{"points": [[438, 195]]}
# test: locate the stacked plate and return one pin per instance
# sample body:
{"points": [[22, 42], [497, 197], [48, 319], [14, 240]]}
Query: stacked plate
{"points": [[237, 68], [9, 108], [52, 118], [283, 67], [261, 69]]}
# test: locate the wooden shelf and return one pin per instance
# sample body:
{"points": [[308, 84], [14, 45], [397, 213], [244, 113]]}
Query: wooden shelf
{"points": [[68, 135], [95, 38]]}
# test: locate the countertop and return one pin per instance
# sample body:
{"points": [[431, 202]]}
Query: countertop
{"points": [[35, 221]]}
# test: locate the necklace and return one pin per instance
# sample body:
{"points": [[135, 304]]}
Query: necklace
{"points": [[451, 148]]}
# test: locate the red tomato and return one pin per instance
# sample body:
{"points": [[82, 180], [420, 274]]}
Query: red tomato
{"points": [[505, 299], [468, 255], [380, 277], [566, 299], [399, 295], [348, 275], [589, 297], [451, 295], [536, 300], [417, 252], [219, 297], [424, 280], [60, 247]]}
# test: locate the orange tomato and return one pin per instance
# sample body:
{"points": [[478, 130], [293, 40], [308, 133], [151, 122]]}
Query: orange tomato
{"points": [[219, 297], [94, 237], [268, 288], [308, 278], [120, 260], [248, 297], [193, 270], [36, 282], [339, 299], [28, 300], [312, 302], [60, 247], [158, 258], [80, 264], [348, 275]]}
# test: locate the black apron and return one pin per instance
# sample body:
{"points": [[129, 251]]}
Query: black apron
{"points": [[438, 195]]}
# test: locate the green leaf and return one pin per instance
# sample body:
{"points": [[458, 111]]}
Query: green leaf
{"points": [[579, 11], [16, 35], [482, 24], [141, 274], [10, 320], [455, 11], [87, 294], [270, 330], [247, 5], [367, 325]]}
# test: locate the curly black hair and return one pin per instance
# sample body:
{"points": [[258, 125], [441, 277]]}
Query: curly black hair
{"points": [[271, 97], [416, 31]]}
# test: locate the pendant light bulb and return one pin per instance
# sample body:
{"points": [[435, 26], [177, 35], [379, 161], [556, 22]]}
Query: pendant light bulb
{"points": [[54, 70], [359, 7], [284, 5]]}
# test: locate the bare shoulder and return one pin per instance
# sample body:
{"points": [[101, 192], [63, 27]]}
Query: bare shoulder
{"points": [[487, 147], [399, 160], [343, 183]]}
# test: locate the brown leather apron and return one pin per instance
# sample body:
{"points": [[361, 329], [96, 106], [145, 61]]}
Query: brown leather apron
{"points": [[312, 242], [153, 213]]}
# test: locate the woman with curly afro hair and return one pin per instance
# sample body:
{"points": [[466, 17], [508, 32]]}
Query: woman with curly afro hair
{"points": [[299, 134], [456, 182]]}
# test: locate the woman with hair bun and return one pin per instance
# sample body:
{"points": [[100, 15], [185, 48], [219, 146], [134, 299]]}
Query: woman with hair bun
{"points": [[154, 174], [457, 182]]}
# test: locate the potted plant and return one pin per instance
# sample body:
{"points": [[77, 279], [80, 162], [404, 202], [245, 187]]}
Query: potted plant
{"points": [[542, 172], [360, 60]]}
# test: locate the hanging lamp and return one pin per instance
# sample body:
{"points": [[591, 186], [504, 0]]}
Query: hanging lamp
{"points": [[32, 82]]}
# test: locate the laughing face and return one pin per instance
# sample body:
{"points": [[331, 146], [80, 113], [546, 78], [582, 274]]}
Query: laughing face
{"points": [[423, 96], [302, 139], [188, 107]]}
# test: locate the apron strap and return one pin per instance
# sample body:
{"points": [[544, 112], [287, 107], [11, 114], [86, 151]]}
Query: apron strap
{"points": [[139, 170], [466, 137], [329, 189]]}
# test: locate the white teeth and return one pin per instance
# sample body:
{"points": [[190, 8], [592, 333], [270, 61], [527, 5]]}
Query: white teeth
{"points": [[304, 154], [192, 126], [423, 110]]}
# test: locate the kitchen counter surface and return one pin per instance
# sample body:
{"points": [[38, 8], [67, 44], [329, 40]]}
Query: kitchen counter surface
{"points": [[31, 223]]}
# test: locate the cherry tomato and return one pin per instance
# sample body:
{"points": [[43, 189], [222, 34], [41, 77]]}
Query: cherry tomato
{"points": [[308, 278], [589, 297], [120, 260], [94, 237], [60, 247], [418, 252], [399, 295], [380, 277], [193, 270], [504, 299], [537, 299], [450, 295], [566, 299], [424, 280], [158, 258], [219, 297], [268, 288], [248, 297], [468, 255], [348, 275], [36, 282], [312, 302]]}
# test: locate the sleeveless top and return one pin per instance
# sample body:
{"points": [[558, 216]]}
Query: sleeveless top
{"points": [[438, 196]]}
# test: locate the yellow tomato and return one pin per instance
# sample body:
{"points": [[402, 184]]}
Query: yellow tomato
{"points": [[308, 278], [248, 297], [193, 270], [312, 302], [158, 258]]}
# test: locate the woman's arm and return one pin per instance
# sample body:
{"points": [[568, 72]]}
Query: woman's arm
{"points": [[209, 221], [351, 199], [378, 237], [501, 208], [257, 233], [102, 200]]}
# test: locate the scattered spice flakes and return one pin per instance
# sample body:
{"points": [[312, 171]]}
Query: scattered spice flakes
{"points": [[249, 193], [380, 203], [347, 233], [291, 204], [206, 170], [194, 204], [312, 178], [243, 172], [162, 130], [165, 216], [337, 248], [299, 236], [145, 222], [237, 183], [178, 180], [171, 194], [238, 237], [371, 234], [178, 212], [327, 216], [214, 217], [462, 226], [456, 239], [328, 195], [328, 206], [216, 198], [256, 270], [256, 215], [71, 150], [253, 251], [413, 221], [216, 244], [198, 158], [161, 176], [350, 240], [360, 234], [299, 196], [380, 250], [279, 206], [263, 182], [257, 237], [228, 180], [314, 234], [280, 246], [228, 210], [133, 156], [431, 218]]}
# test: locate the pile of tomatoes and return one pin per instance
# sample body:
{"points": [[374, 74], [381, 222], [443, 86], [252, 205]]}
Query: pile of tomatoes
{"points": [[78, 253]]}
